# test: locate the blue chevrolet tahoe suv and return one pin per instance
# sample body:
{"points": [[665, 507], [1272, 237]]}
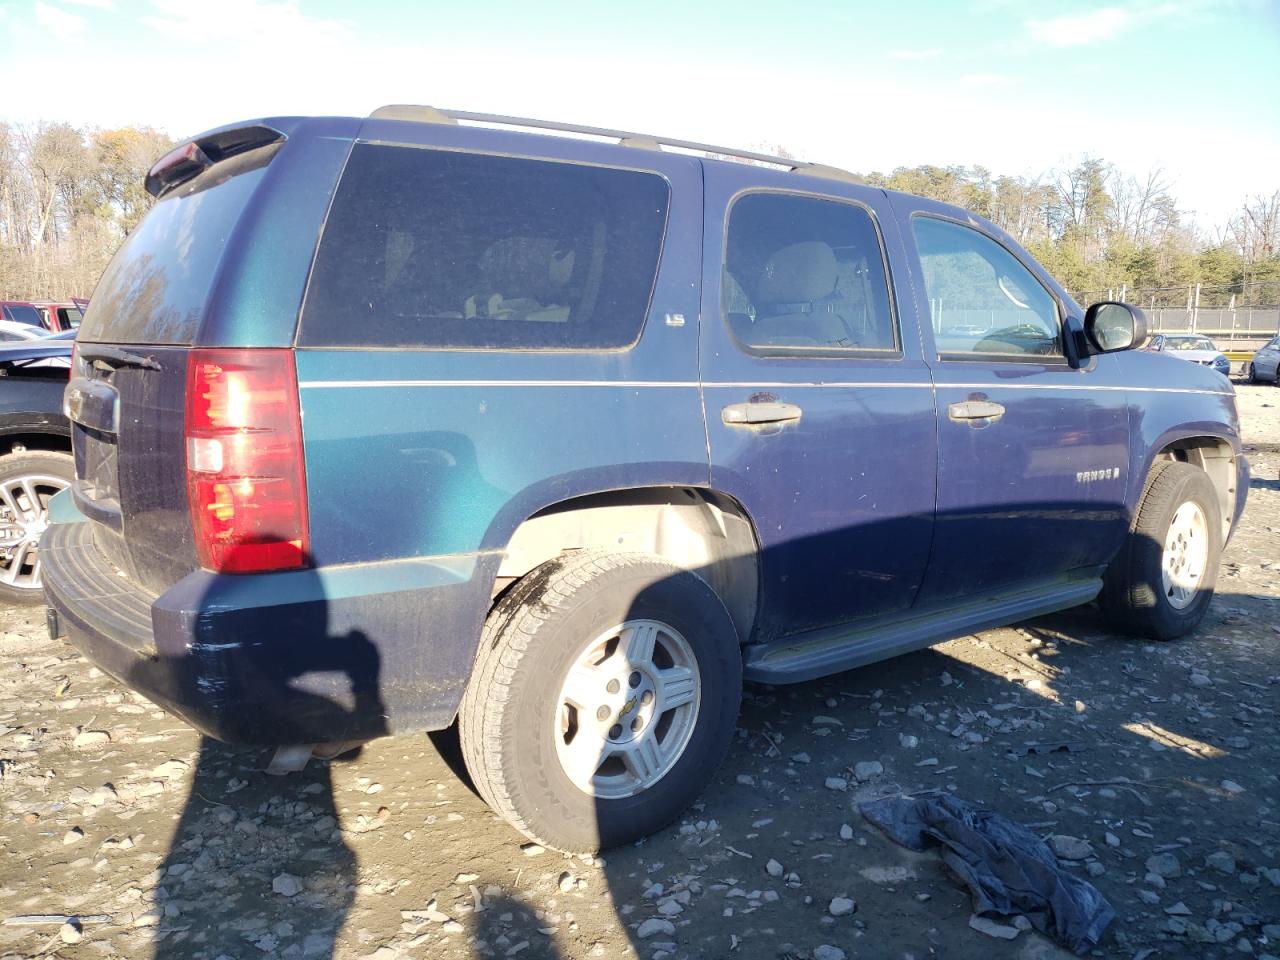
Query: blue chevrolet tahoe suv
{"points": [[385, 423]]}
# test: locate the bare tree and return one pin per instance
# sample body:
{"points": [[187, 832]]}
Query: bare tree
{"points": [[67, 199], [1257, 227], [1142, 210]]}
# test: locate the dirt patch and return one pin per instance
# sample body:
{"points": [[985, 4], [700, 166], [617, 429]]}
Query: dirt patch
{"points": [[170, 846]]}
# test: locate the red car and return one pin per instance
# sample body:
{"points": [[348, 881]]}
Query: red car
{"points": [[51, 315], [61, 314], [22, 311]]}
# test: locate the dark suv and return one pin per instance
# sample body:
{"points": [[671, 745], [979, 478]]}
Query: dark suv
{"points": [[381, 424]]}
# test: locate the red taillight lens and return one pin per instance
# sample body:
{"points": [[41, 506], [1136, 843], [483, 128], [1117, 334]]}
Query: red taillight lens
{"points": [[245, 475]]}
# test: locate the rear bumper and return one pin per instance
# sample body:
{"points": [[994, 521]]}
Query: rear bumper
{"points": [[347, 653]]}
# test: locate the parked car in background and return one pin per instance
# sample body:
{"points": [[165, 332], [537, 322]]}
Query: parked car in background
{"points": [[35, 456], [1265, 365], [1192, 347], [965, 330], [11, 332], [61, 315], [22, 311], [560, 439]]}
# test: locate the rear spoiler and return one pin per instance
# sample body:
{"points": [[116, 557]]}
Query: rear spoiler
{"points": [[195, 156]]}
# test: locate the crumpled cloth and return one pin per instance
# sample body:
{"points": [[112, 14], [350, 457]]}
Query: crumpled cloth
{"points": [[1006, 867]]}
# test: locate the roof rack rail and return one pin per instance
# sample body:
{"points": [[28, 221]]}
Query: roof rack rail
{"points": [[425, 114]]}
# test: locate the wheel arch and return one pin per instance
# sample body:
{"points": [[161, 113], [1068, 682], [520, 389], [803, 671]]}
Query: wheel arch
{"points": [[695, 528], [15, 441], [1216, 456], [34, 430]]}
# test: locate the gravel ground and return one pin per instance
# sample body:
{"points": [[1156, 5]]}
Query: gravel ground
{"points": [[165, 845]]}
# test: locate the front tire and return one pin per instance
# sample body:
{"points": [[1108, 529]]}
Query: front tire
{"points": [[28, 481], [1160, 584], [604, 697]]}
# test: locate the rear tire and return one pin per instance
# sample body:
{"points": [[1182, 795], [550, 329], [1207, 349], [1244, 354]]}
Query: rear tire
{"points": [[28, 480], [1161, 582], [545, 742]]}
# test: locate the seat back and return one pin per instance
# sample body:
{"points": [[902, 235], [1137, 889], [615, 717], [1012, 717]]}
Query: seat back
{"points": [[798, 303]]}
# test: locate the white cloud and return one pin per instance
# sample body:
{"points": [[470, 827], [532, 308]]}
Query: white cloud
{"points": [[95, 4], [984, 79], [1109, 22], [241, 22], [1077, 29], [914, 54], [59, 23]]}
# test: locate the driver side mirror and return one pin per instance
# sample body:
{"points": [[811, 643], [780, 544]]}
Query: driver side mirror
{"points": [[1111, 326]]}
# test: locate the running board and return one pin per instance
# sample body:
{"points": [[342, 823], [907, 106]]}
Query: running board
{"points": [[819, 653]]}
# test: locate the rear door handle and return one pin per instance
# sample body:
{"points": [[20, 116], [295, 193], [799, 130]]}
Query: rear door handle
{"points": [[770, 412], [975, 410]]}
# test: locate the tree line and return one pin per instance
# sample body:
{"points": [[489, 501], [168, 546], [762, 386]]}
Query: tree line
{"points": [[1099, 229], [69, 197]]}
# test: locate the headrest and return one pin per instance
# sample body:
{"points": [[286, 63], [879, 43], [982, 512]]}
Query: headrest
{"points": [[802, 271], [533, 266]]}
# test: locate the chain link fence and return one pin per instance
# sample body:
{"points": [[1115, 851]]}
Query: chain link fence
{"points": [[1247, 311]]}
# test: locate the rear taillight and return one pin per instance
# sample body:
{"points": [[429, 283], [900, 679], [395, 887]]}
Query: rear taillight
{"points": [[245, 476]]}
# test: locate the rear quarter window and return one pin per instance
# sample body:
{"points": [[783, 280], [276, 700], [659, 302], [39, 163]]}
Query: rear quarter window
{"points": [[449, 250]]}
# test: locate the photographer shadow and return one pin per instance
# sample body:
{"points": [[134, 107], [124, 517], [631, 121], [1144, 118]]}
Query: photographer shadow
{"points": [[254, 860]]}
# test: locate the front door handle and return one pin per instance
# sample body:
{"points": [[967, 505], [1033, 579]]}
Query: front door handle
{"points": [[768, 412], [975, 410]]}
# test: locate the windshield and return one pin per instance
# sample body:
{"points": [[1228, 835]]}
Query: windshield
{"points": [[1189, 343]]}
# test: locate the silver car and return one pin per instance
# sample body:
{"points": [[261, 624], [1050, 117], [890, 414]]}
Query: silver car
{"points": [[1265, 365], [1193, 347]]}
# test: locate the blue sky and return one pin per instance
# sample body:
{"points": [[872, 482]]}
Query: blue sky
{"points": [[1188, 86]]}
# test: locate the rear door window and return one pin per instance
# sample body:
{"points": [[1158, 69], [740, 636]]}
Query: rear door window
{"points": [[450, 250], [805, 276]]}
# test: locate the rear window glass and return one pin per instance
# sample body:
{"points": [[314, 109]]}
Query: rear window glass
{"points": [[155, 288], [23, 314], [437, 249]]}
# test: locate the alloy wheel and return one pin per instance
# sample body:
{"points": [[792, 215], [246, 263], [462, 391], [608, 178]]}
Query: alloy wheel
{"points": [[627, 709], [24, 515]]}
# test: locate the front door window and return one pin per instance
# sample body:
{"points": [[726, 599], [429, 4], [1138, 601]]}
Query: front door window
{"points": [[982, 301]]}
